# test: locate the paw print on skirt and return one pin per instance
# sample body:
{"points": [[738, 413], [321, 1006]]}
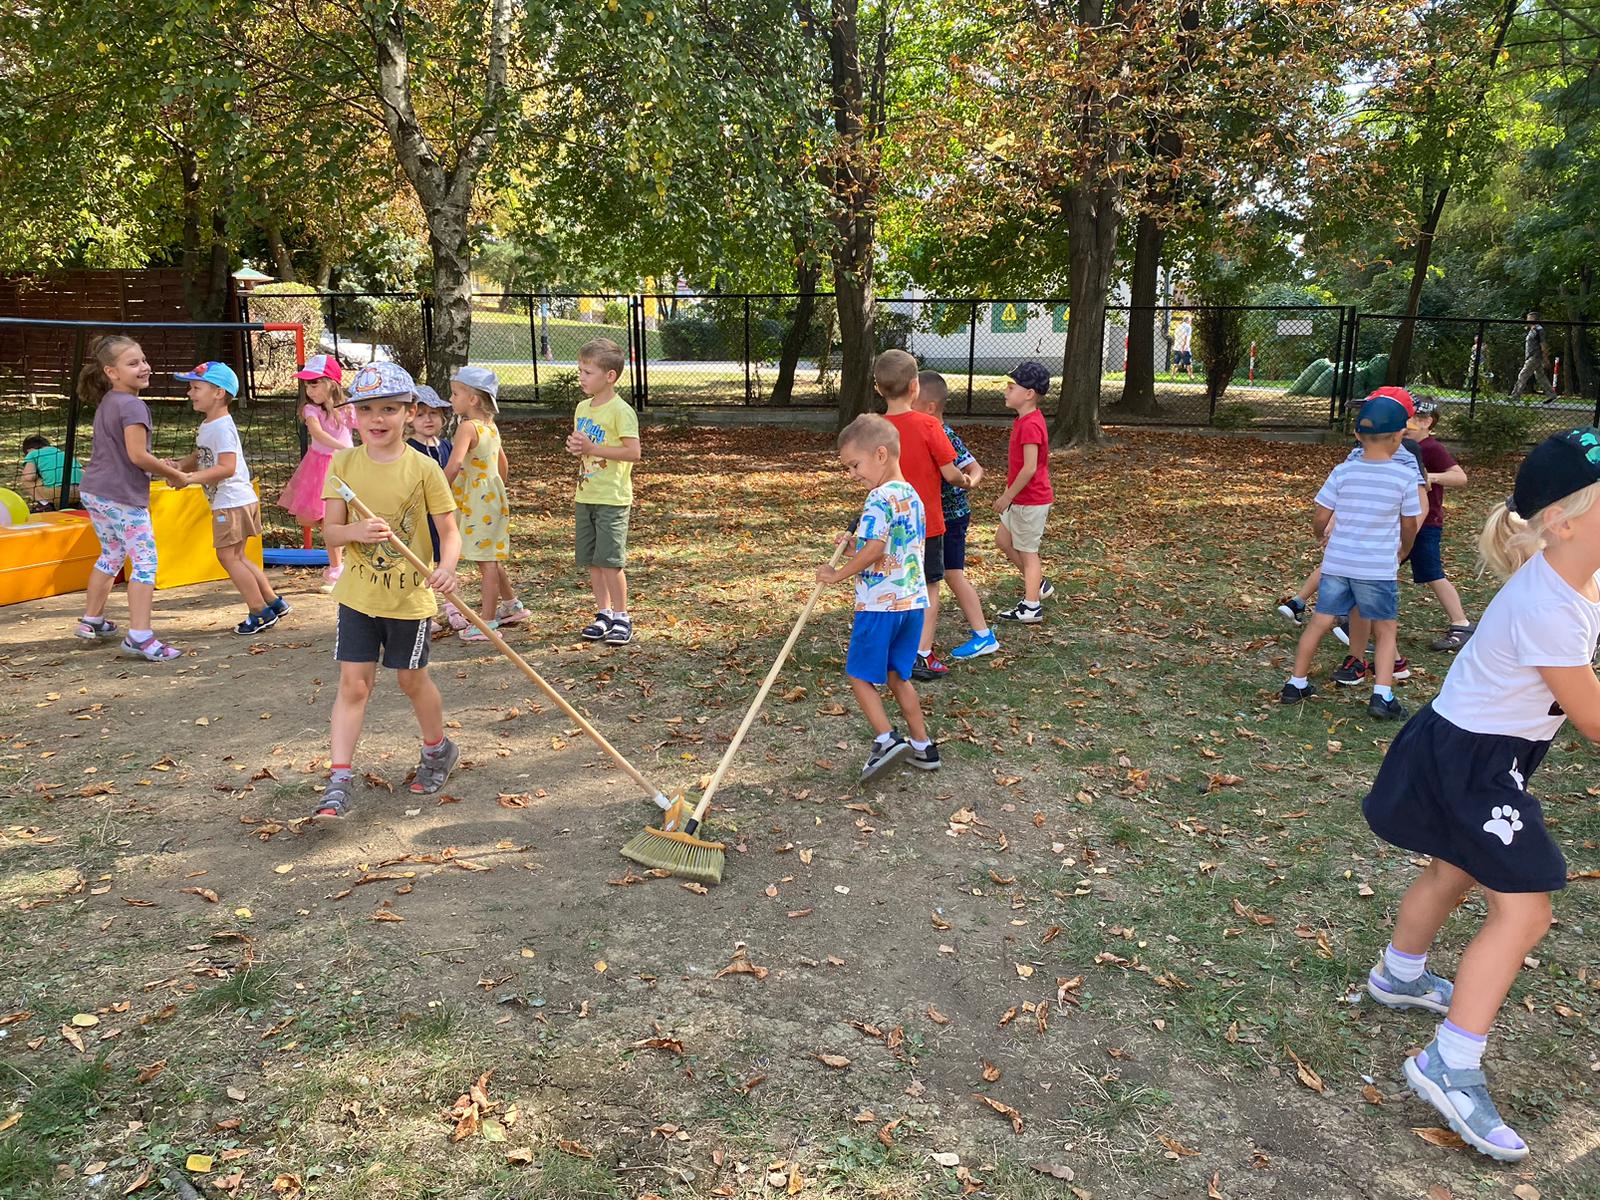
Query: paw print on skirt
{"points": [[1503, 823]]}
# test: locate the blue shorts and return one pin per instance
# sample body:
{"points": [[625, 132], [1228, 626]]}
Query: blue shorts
{"points": [[1378, 599], [955, 542], [1463, 797], [1425, 560], [881, 642]]}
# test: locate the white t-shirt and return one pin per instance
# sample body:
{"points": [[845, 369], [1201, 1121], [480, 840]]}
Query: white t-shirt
{"points": [[212, 440], [1368, 499], [1536, 620], [1180, 340]]}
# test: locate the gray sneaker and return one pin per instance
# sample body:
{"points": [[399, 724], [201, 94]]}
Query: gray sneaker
{"points": [[1482, 1127], [434, 767], [1427, 990], [884, 756]]}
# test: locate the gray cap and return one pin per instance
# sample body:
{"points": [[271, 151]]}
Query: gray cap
{"points": [[429, 398], [482, 379], [381, 379]]}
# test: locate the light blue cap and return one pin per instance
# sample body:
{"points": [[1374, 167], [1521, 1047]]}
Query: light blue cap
{"points": [[220, 374]]}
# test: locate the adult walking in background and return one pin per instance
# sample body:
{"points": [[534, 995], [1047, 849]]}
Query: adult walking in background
{"points": [[1535, 361]]}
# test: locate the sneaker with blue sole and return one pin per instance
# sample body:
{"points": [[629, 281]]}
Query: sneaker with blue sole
{"points": [[1480, 1125], [1428, 990], [976, 646]]}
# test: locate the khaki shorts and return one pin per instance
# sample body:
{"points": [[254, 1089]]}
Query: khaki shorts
{"points": [[602, 533], [1025, 523], [235, 526]]}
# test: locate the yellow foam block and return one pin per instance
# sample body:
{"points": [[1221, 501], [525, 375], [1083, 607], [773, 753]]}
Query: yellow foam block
{"points": [[49, 554], [184, 552]]}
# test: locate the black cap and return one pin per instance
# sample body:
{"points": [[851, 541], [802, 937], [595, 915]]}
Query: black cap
{"points": [[1033, 376], [1558, 466]]}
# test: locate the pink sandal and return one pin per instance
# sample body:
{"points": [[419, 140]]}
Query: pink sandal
{"points": [[152, 649]]}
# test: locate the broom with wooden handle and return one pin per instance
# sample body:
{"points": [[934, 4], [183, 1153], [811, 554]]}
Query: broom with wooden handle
{"points": [[679, 851], [655, 793]]}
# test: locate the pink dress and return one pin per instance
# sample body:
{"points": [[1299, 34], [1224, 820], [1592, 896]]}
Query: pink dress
{"points": [[302, 495]]}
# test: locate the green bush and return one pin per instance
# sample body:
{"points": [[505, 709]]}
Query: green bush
{"points": [[1496, 427], [357, 315], [1234, 416], [692, 338], [398, 325], [616, 313], [561, 389]]}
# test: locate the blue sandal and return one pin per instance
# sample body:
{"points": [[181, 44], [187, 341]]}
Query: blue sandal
{"points": [[1482, 1127], [1428, 990]]}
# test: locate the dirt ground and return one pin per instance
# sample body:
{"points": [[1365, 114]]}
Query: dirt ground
{"points": [[1048, 970]]}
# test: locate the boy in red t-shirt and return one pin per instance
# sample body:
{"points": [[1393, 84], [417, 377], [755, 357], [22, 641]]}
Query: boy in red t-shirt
{"points": [[1026, 502], [926, 456]]}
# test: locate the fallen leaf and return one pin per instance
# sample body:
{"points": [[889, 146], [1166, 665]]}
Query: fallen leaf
{"points": [[937, 1017], [1525, 1191], [699, 889], [7, 1122], [1174, 1147], [1214, 1188], [991, 1073], [1371, 1094], [1005, 1110], [1443, 1138], [946, 1159], [384, 914], [742, 966], [85, 1020], [1054, 1170], [1307, 1076], [797, 1181], [939, 922], [205, 894], [73, 1037], [200, 1164], [837, 1061], [141, 1181], [576, 1149]]}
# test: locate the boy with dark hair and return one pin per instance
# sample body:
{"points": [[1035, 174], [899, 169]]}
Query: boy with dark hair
{"points": [[42, 468], [1427, 563], [926, 457], [1025, 504], [217, 465], [1372, 506], [891, 594]]}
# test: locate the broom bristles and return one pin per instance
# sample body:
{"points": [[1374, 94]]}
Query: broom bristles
{"points": [[679, 853]]}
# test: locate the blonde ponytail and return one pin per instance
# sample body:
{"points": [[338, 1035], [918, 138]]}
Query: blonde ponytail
{"points": [[1508, 541]]}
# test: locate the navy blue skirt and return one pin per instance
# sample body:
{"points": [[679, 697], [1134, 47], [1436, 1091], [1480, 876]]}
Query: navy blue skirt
{"points": [[1462, 797]]}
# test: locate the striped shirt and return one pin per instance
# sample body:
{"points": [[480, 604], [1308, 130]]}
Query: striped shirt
{"points": [[1368, 499]]}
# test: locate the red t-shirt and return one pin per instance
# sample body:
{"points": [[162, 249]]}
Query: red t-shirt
{"points": [[923, 450], [1030, 429]]}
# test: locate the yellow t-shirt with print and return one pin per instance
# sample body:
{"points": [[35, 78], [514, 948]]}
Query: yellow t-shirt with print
{"points": [[605, 480], [376, 580]]}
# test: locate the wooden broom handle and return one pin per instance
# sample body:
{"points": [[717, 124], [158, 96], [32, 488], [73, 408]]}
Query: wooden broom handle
{"points": [[500, 644], [766, 686]]}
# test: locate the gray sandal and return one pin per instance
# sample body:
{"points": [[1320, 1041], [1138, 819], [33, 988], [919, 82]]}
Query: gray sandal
{"points": [[1482, 1128], [1454, 637], [335, 802], [433, 769]]}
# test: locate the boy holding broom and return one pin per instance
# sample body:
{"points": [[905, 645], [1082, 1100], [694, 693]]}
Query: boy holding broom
{"points": [[891, 594]]}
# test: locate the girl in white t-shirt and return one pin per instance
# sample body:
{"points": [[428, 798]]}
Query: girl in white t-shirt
{"points": [[1454, 783]]}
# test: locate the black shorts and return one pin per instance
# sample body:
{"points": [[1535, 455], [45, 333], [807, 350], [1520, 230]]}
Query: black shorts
{"points": [[1462, 797], [955, 542], [933, 559], [397, 644]]}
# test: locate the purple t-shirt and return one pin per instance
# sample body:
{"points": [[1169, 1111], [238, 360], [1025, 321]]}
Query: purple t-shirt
{"points": [[110, 474]]}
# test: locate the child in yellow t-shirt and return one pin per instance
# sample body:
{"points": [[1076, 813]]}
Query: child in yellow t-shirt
{"points": [[384, 602], [605, 440]]}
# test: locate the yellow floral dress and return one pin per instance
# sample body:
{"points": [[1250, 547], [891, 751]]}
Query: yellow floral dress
{"points": [[481, 496]]}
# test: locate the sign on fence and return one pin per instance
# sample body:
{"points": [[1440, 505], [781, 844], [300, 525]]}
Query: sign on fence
{"points": [[1008, 317]]}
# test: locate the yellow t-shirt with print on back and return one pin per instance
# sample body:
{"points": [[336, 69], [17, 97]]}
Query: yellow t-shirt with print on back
{"points": [[376, 580], [605, 480]]}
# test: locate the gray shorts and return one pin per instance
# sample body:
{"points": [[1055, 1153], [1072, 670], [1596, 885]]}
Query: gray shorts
{"points": [[602, 533]]}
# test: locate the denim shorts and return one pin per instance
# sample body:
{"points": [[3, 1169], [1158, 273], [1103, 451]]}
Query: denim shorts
{"points": [[881, 642], [1378, 599], [1425, 560]]}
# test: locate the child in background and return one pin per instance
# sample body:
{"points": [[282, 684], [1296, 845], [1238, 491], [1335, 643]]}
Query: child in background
{"points": [[384, 603], [926, 457], [932, 394], [1025, 504], [42, 466], [328, 428], [1454, 784], [425, 434], [890, 594], [477, 475], [217, 465], [1441, 471], [605, 441], [1372, 504], [116, 491]]}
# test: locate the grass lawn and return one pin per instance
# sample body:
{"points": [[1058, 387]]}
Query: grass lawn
{"points": [[1085, 959], [501, 336]]}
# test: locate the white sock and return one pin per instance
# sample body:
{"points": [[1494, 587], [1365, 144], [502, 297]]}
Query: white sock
{"points": [[883, 739], [606, 612], [1298, 681], [916, 745], [620, 614], [1383, 691], [980, 632], [925, 651], [139, 635], [1402, 966], [1461, 1051]]}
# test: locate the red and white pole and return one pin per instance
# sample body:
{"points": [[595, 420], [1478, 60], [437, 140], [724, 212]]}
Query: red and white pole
{"points": [[1252, 362]]}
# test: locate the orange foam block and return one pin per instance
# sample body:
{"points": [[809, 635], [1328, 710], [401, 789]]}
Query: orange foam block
{"points": [[49, 554]]}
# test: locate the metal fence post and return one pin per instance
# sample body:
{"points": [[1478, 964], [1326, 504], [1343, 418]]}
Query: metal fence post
{"points": [[71, 447], [333, 320], [747, 391], [644, 354], [533, 344], [972, 352], [1478, 350], [247, 357], [1338, 355]]}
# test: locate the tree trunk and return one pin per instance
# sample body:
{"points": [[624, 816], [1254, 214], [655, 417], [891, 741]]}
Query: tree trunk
{"points": [[1400, 348], [1578, 367], [857, 341], [1095, 218], [452, 302], [205, 261], [799, 331], [1139, 379], [282, 260]]}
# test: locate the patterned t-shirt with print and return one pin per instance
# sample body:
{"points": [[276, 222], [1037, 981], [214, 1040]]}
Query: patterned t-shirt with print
{"points": [[892, 515]]}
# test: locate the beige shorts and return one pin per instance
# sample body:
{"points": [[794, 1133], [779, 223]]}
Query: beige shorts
{"points": [[235, 526], [1025, 523]]}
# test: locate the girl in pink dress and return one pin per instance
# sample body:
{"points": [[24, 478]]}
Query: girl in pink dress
{"points": [[329, 429]]}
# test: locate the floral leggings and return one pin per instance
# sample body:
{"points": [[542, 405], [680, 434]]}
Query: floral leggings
{"points": [[125, 532]]}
